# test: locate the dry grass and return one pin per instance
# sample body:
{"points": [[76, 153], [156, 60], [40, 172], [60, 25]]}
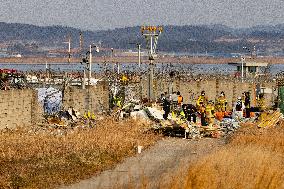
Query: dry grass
{"points": [[253, 158], [29, 160]]}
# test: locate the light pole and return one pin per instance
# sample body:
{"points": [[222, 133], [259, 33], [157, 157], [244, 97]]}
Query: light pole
{"points": [[90, 60], [139, 54], [151, 33], [69, 48], [243, 59], [88, 67]]}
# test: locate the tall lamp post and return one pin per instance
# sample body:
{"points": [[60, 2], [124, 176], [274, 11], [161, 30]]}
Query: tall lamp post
{"points": [[151, 34], [88, 61], [139, 54], [243, 59], [69, 48]]}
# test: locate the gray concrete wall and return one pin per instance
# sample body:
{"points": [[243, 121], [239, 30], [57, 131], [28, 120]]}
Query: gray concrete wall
{"points": [[19, 108], [191, 89], [95, 99]]}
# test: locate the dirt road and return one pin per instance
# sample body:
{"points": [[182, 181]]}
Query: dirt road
{"points": [[160, 162]]}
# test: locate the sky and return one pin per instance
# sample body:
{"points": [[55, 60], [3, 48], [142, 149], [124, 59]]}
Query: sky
{"points": [[109, 14]]}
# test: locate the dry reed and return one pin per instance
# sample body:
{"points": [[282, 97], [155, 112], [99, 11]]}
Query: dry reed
{"points": [[253, 158], [32, 160]]}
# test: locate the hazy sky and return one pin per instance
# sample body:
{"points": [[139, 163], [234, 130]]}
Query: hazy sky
{"points": [[104, 14]]}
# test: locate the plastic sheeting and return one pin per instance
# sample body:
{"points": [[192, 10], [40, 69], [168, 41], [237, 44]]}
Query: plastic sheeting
{"points": [[51, 99]]}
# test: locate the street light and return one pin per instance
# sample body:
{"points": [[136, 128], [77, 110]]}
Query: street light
{"points": [[139, 54], [88, 61], [243, 59]]}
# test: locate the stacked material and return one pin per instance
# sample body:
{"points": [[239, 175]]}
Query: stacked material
{"points": [[269, 119]]}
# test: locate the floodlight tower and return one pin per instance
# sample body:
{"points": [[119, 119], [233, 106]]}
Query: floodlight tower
{"points": [[69, 48], [151, 34]]}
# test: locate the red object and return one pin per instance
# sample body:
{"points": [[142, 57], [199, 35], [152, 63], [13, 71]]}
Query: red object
{"points": [[8, 71]]}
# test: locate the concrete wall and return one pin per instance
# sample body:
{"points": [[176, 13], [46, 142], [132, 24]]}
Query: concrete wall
{"points": [[19, 108], [191, 89], [95, 99]]}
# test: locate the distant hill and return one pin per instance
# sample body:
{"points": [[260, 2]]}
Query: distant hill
{"points": [[187, 39]]}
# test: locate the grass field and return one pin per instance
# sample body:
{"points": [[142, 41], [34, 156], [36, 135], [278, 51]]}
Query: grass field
{"points": [[253, 158], [29, 160]]}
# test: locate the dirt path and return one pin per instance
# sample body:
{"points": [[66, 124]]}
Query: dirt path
{"points": [[160, 161]]}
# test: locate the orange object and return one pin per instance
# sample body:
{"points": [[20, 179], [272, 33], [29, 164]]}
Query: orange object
{"points": [[180, 99], [252, 114], [219, 115]]}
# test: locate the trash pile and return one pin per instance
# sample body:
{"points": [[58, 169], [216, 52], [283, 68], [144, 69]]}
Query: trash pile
{"points": [[180, 127], [66, 121], [228, 126]]}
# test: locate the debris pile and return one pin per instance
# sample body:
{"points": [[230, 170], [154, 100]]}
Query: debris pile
{"points": [[66, 121], [180, 127], [228, 126]]}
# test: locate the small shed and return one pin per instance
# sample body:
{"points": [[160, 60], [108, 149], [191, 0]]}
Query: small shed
{"points": [[250, 67]]}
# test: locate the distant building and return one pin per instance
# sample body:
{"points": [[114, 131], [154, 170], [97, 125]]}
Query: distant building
{"points": [[250, 67]]}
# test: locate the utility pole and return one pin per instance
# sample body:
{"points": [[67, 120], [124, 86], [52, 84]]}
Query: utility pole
{"points": [[139, 54], [88, 61], [151, 34], [69, 48], [90, 66], [242, 61], [112, 62]]}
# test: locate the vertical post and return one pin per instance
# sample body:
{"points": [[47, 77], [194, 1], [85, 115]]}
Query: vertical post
{"points": [[90, 65], [253, 94], [151, 75], [139, 55], [46, 72], [69, 49], [112, 62], [118, 69], [84, 80], [242, 61], [151, 45]]}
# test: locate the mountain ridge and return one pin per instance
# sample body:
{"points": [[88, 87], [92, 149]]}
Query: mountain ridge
{"points": [[187, 38]]}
